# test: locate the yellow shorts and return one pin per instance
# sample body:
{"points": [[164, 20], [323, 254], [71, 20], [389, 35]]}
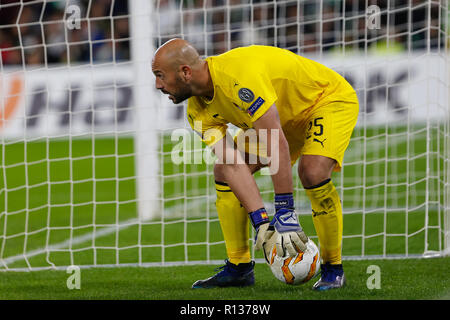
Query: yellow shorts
{"points": [[324, 131]]}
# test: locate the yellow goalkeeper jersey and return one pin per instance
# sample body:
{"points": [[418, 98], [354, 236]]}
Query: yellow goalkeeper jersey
{"points": [[249, 80]]}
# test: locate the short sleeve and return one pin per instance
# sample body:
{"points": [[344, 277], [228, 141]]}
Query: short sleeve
{"points": [[254, 93]]}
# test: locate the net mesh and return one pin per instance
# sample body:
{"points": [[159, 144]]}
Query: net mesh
{"points": [[70, 179]]}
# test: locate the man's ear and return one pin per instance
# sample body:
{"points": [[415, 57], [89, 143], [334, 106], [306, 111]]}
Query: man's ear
{"points": [[186, 73]]}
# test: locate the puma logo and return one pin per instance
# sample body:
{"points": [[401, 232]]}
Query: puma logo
{"points": [[318, 213], [289, 218], [321, 142]]}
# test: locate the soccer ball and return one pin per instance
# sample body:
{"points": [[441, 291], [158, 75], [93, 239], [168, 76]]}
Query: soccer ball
{"points": [[293, 270]]}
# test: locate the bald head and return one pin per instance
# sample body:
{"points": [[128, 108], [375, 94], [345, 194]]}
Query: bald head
{"points": [[179, 70], [175, 53]]}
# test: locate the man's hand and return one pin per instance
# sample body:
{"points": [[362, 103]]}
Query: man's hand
{"points": [[264, 232], [290, 235], [260, 221]]}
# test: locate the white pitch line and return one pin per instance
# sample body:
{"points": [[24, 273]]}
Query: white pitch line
{"points": [[171, 212], [68, 242], [89, 236], [176, 211]]}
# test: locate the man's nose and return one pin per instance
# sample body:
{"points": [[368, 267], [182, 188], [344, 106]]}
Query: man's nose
{"points": [[158, 84]]}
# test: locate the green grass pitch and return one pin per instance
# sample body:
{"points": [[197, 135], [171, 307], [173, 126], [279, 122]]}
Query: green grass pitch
{"points": [[399, 279], [77, 198]]}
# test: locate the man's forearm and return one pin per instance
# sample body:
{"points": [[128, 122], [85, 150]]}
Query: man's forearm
{"points": [[243, 185], [280, 164], [271, 134], [232, 169]]}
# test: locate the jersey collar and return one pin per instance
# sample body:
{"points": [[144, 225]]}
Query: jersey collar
{"points": [[212, 73]]}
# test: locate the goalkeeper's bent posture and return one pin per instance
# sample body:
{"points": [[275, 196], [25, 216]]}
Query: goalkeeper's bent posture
{"points": [[265, 88]]}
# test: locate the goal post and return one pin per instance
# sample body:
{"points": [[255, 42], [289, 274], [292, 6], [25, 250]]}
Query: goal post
{"points": [[446, 229], [100, 169], [146, 105]]}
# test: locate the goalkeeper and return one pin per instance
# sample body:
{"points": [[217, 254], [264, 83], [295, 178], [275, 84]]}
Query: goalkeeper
{"points": [[298, 108]]}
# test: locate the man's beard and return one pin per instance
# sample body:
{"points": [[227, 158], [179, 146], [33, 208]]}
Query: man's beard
{"points": [[184, 92]]}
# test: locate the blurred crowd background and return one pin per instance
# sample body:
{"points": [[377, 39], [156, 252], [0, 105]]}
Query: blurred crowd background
{"points": [[35, 32]]}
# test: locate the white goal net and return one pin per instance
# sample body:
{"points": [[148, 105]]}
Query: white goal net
{"points": [[98, 169]]}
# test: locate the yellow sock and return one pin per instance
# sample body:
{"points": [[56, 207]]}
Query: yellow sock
{"points": [[328, 221], [235, 224]]}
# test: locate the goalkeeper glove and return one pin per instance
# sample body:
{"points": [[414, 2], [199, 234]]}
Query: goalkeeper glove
{"points": [[260, 221], [290, 235]]}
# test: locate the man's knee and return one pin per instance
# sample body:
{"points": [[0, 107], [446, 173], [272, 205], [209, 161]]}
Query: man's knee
{"points": [[312, 175], [220, 170], [313, 170]]}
